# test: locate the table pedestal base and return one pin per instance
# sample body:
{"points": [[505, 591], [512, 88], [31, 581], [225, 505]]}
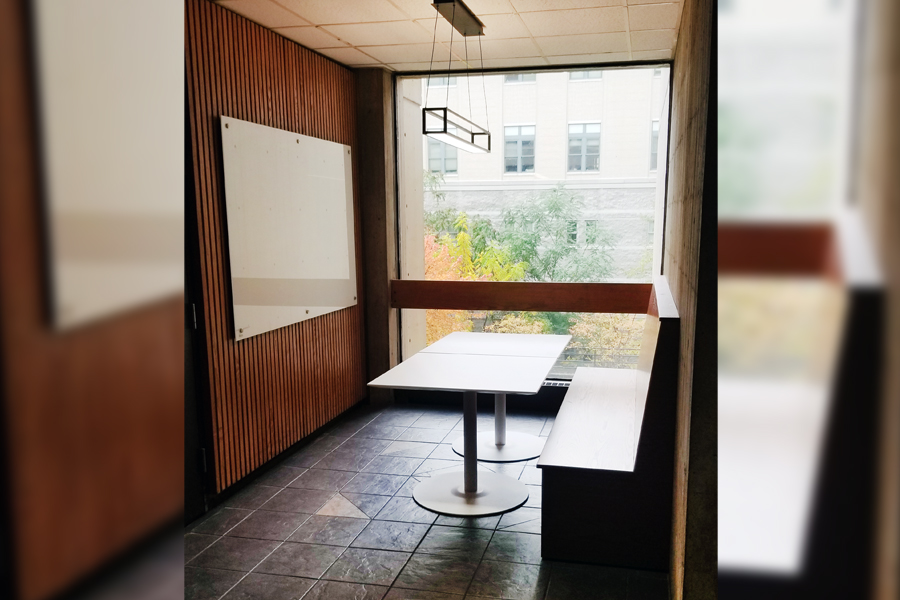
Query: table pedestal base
{"points": [[518, 446], [496, 494]]}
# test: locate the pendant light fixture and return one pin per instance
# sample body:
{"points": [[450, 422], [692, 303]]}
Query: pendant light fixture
{"points": [[440, 122]]}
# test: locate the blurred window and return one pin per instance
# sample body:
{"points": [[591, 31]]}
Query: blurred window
{"points": [[519, 149], [584, 147]]}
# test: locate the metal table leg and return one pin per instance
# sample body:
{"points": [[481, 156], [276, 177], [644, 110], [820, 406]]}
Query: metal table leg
{"points": [[503, 445]]}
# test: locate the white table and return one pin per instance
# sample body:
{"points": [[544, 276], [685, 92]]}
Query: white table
{"points": [[502, 445], [468, 492]]}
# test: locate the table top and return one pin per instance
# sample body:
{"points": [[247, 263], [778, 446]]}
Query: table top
{"points": [[468, 372], [501, 344]]}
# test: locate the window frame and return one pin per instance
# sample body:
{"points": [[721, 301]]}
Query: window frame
{"points": [[519, 138]]}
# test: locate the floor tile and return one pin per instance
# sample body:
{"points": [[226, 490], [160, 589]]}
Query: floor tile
{"points": [[370, 504], [269, 525], [444, 452], [364, 565], [379, 432], [405, 510], [531, 425], [586, 581], [512, 581], [325, 443], [509, 546], [338, 590], [234, 554], [280, 476], [404, 594], [364, 444], [195, 543], [409, 449], [303, 458], [513, 470], [445, 422], [339, 506], [322, 479], [261, 586], [525, 520], [407, 489], [393, 465], [397, 418], [535, 496], [476, 522], [375, 483], [531, 476], [419, 434], [461, 541], [432, 465], [391, 535], [208, 584], [346, 460], [300, 560], [252, 497], [220, 521], [301, 501], [548, 426], [333, 531], [437, 572], [647, 585]]}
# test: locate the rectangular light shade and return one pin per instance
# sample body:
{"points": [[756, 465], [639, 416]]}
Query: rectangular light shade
{"points": [[447, 126], [459, 15]]}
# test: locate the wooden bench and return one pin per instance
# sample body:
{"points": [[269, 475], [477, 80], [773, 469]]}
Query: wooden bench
{"points": [[608, 465]]}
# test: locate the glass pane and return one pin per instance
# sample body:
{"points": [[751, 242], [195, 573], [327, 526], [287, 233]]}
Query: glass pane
{"points": [[450, 165], [529, 77], [592, 163], [450, 151], [576, 128], [592, 128], [576, 75], [527, 130], [655, 127], [575, 145], [512, 165], [574, 162], [435, 165], [528, 164], [572, 231], [511, 130], [527, 147], [512, 149], [513, 78], [593, 146]]}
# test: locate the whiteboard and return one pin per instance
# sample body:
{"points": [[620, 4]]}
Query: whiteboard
{"points": [[289, 209]]}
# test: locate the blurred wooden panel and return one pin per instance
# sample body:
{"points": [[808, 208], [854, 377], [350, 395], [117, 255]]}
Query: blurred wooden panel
{"points": [[521, 295], [269, 391], [775, 249]]}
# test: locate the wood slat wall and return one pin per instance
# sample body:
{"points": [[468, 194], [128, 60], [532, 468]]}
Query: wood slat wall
{"points": [[269, 391]]}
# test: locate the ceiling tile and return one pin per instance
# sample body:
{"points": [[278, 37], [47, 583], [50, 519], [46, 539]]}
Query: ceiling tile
{"points": [[409, 53], [652, 55], [570, 22], [408, 67], [348, 56], [311, 37], [508, 48], [489, 7], [576, 59], [653, 16], [417, 9], [496, 27], [662, 39], [380, 34], [329, 12], [598, 43], [264, 12], [536, 5]]}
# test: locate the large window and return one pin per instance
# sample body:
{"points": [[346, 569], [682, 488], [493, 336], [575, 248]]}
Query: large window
{"points": [[442, 158], [584, 147], [654, 144], [441, 81], [519, 149], [520, 78]]}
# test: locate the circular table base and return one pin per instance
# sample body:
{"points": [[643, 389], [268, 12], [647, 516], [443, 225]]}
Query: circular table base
{"points": [[444, 494], [518, 446]]}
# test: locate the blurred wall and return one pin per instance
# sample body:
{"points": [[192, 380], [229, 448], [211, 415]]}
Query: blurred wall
{"points": [[92, 418], [689, 267]]}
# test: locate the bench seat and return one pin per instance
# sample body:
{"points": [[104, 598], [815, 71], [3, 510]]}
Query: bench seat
{"points": [[608, 464]]}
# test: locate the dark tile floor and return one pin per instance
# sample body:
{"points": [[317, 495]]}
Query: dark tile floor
{"points": [[336, 520]]}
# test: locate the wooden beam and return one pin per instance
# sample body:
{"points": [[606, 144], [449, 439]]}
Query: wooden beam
{"points": [[632, 298], [775, 249]]}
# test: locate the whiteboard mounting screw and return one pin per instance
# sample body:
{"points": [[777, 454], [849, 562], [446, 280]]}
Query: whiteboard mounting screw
{"points": [[307, 312], [240, 331], [298, 140], [226, 125]]}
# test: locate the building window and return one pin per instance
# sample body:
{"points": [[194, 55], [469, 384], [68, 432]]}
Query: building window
{"points": [[441, 157], [654, 144], [441, 81], [519, 149], [520, 78], [572, 231], [584, 147], [586, 75], [657, 72], [590, 232]]}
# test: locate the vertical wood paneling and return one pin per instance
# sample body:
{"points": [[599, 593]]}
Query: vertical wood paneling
{"points": [[271, 390]]}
